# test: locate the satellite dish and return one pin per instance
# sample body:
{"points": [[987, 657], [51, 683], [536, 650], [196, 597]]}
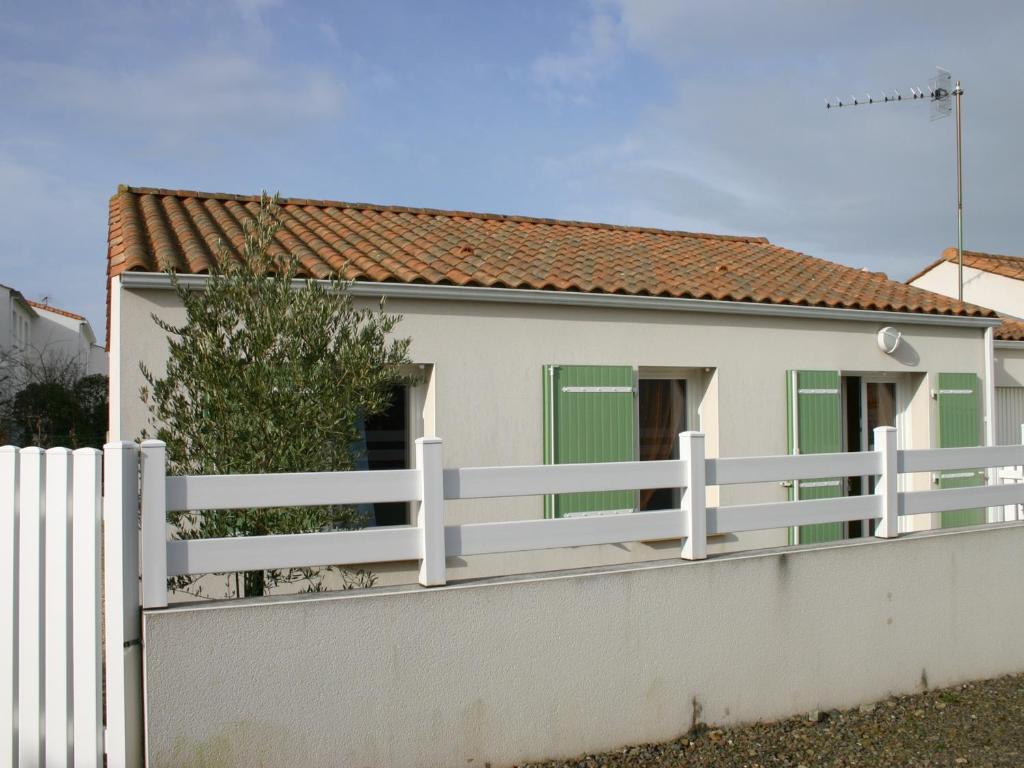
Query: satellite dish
{"points": [[889, 339]]}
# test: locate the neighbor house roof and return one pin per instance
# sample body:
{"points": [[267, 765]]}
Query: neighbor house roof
{"points": [[1011, 329], [48, 308], [997, 264], [158, 229]]}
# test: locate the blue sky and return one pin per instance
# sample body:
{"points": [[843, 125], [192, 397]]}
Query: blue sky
{"points": [[706, 117]]}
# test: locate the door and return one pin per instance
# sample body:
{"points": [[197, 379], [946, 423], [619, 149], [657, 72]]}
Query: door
{"points": [[815, 426], [588, 417], [960, 427], [874, 404]]}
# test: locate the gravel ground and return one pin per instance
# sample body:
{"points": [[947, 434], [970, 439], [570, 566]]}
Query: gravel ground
{"points": [[979, 724]]}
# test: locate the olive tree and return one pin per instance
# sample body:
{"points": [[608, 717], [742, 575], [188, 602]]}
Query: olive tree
{"points": [[270, 373]]}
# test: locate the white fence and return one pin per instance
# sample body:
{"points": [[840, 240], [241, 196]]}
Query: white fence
{"points": [[430, 541], [66, 550]]}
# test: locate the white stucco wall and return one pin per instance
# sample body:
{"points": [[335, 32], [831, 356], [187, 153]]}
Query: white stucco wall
{"points": [[1003, 294], [485, 395], [16, 326], [1009, 364], [514, 670], [55, 333], [488, 359]]}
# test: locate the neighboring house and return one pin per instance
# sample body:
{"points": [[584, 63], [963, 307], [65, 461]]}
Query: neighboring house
{"points": [[995, 281], [558, 341], [30, 330]]}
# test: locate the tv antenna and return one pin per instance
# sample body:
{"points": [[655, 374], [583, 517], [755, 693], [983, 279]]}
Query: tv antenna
{"points": [[939, 96]]}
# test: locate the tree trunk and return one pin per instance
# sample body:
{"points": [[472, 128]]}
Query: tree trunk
{"points": [[254, 583]]}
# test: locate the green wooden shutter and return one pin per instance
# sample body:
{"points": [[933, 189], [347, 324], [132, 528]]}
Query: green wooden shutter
{"points": [[588, 417], [816, 428], [960, 427]]}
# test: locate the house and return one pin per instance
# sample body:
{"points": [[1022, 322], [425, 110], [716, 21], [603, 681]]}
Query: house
{"points": [[34, 330], [995, 281], [545, 341]]}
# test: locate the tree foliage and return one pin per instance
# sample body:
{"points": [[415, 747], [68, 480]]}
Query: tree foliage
{"points": [[47, 400], [270, 374]]}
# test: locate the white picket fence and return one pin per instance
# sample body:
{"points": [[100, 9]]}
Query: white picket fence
{"points": [[430, 541], [68, 547]]}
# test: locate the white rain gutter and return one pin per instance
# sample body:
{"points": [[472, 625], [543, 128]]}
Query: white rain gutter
{"points": [[158, 280]]}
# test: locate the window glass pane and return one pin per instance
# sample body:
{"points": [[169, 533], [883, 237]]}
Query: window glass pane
{"points": [[662, 408], [881, 407], [387, 447]]}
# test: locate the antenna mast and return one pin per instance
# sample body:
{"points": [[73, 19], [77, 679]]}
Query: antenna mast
{"points": [[938, 95]]}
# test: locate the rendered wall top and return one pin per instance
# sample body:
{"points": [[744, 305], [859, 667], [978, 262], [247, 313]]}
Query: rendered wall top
{"points": [[552, 666]]}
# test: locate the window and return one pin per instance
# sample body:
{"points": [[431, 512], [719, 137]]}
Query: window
{"points": [[388, 447], [595, 413], [661, 406], [388, 440]]}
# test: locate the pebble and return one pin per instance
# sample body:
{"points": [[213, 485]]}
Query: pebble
{"points": [[986, 727]]}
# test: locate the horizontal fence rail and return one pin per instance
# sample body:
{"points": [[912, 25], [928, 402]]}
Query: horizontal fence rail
{"points": [[521, 535], [938, 459], [766, 469], [538, 480], [428, 486], [782, 514], [298, 489], [297, 550]]}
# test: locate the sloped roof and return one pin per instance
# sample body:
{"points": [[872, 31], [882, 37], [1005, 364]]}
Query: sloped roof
{"points": [[157, 229], [1011, 329], [997, 264], [48, 308]]}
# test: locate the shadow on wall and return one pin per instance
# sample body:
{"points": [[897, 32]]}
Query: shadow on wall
{"points": [[906, 354]]}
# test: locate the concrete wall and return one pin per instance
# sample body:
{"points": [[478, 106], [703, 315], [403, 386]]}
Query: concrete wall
{"points": [[484, 396], [541, 667], [1003, 294]]}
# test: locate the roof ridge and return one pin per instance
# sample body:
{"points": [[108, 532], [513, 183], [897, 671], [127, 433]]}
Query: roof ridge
{"points": [[950, 254], [187, 193]]}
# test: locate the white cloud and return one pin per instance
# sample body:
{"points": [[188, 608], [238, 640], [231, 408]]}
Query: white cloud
{"points": [[595, 49], [185, 100], [329, 33], [252, 10], [744, 144]]}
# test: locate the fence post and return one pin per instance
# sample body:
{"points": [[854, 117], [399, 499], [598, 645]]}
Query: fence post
{"points": [[122, 650], [1014, 511], [57, 614], [430, 516], [154, 524], [887, 488], [31, 578], [87, 664], [695, 517], [9, 492]]}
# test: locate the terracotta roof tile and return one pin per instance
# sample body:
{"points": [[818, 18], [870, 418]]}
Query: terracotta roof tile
{"points": [[1012, 329], [48, 308], [153, 229]]}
